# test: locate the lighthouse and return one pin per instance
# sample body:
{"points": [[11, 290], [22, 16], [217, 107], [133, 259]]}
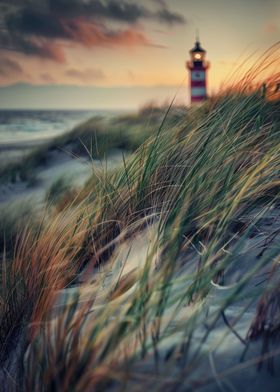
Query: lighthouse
{"points": [[198, 69]]}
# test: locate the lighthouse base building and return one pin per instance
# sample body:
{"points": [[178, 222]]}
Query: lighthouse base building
{"points": [[198, 73]]}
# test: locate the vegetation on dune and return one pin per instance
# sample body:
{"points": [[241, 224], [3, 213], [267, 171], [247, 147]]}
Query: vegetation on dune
{"points": [[152, 182], [14, 222], [94, 139], [196, 184], [59, 190]]}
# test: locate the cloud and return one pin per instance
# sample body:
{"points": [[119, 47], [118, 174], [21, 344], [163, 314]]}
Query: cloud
{"points": [[90, 34], [271, 28], [32, 45], [32, 22], [43, 30], [120, 10], [35, 33], [164, 15], [8, 66], [89, 74]]}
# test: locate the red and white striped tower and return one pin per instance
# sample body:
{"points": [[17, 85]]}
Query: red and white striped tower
{"points": [[198, 67]]}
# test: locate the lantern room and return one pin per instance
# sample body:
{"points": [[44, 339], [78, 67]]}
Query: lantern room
{"points": [[197, 53]]}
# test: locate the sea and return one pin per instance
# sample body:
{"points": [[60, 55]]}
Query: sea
{"points": [[37, 125]]}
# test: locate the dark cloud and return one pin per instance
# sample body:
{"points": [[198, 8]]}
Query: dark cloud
{"points": [[32, 22], [32, 46], [121, 10], [12, 2], [76, 31], [35, 33], [39, 30], [165, 16], [8, 66]]}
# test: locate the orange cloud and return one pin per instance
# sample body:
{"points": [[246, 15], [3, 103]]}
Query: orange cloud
{"points": [[48, 49], [90, 34]]}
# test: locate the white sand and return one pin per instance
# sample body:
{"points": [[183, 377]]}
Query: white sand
{"points": [[222, 351], [59, 164]]}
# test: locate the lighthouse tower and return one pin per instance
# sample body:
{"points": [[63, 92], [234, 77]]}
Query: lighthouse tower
{"points": [[198, 67]]}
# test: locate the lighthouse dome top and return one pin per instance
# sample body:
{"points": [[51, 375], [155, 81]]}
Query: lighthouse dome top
{"points": [[197, 48]]}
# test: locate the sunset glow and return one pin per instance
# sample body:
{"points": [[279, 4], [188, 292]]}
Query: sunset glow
{"points": [[127, 44]]}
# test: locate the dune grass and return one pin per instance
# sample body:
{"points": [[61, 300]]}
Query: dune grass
{"points": [[94, 139], [59, 190], [14, 220], [195, 185]]}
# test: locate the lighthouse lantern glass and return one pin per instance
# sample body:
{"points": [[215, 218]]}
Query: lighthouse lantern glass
{"points": [[198, 56]]}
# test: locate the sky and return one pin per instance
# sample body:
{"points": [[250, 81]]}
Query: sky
{"points": [[118, 54]]}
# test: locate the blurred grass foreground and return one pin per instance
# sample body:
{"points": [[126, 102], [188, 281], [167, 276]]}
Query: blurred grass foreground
{"points": [[161, 274]]}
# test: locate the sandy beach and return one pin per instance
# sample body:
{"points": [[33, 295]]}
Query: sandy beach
{"points": [[59, 164]]}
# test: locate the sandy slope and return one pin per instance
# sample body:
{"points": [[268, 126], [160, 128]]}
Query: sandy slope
{"points": [[60, 164], [219, 367]]}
